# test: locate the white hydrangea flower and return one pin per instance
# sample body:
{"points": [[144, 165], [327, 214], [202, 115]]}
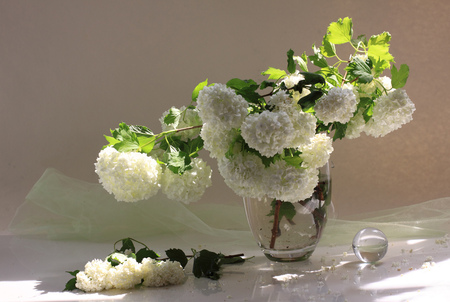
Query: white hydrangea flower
{"points": [[185, 118], [292, 79], [189, 186], [100, 275], [281, 101], [161, 273], [390, 112], [217, 140], [243, 174], [304, 123], [355, 126], [337, 106], [130, 176], [384, 84], [304, 128], [317, 153], [125, 275], [221, 106], [94, 276], [268, 132], [288, 183]]}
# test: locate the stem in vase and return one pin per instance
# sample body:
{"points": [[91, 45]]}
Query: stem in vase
{"points": [[275, 224]]}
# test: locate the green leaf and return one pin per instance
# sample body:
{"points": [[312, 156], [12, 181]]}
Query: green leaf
{"points": [[206, 263], [309, 101], [197, 90], [318, 59], [360, 41], [111, 140], [378, 51], [70, 285], [127, 244], [313, 78], [295, 161], [193, 146], [340, 32], [360, 70], [245, 88], [287, 210], [302, 61], [141, 130], [290, 60], [145, 253], [173, 116], [265, 84], [328, 49], [177, 161], [399, 77], [368, 112], [127, 146], [177, 255], [146, 144], [339, 130], [113, 261], [274, 73]]}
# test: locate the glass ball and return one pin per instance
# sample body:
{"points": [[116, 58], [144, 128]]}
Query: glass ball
{"points": [[370, 245]]}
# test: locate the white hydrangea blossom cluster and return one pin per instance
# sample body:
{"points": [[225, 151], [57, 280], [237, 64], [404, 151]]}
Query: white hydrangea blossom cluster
{"points": [[100, 275], [270, 133], [190, 186], [336, 106], [130, 176], [390, 112], [134, 176], [317, 152], [221, 106]]}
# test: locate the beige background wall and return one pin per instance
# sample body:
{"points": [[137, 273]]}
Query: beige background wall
{"points": [[71, 70]]}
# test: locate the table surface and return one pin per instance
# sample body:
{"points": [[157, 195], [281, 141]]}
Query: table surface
{"points": [[34, 269]]}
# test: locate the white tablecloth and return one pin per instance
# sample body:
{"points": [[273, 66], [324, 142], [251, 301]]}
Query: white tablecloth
{"points": [[65, 223], [413, 270]]}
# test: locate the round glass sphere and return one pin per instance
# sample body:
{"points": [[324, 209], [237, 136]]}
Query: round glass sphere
{"points": [[370, 245]]}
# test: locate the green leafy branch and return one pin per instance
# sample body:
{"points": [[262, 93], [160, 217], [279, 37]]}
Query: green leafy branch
{"points": [[206, 263]]}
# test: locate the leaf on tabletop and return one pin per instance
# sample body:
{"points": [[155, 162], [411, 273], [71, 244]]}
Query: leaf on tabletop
{"points": [[206, 264], [70, 285], [177, 255], [127, 244], [145, 253]]}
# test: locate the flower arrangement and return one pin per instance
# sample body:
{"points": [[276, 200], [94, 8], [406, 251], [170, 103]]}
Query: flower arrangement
{"points": [[269, 138]]}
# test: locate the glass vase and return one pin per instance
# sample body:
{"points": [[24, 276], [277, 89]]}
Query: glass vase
{"points": [[290, 231]]}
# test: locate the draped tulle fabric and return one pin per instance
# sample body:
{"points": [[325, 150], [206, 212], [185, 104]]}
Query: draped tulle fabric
{"points": [[64, 208]]}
